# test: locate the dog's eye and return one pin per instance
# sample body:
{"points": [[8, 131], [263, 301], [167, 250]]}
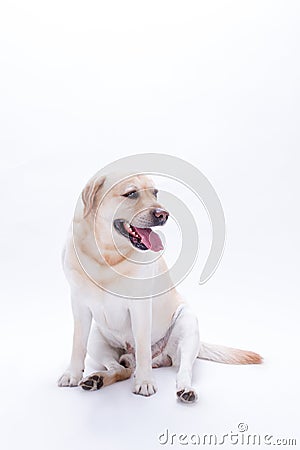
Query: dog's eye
{"points": [[132, 194], [155, 192]]}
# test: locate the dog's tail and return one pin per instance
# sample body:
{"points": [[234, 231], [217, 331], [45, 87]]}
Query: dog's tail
{"points": [[228, 355]]}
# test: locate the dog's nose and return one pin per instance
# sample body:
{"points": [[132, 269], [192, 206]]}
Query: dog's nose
{"points": [[161, 216]]}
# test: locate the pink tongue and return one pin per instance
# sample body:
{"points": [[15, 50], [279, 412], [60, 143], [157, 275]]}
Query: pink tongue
{"points": [[150, 239]]}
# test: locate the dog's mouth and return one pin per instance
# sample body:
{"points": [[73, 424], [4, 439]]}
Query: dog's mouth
{"points": [[141, 238]]}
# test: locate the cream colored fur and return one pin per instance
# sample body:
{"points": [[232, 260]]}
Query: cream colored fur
{"points": [[120, 324]]}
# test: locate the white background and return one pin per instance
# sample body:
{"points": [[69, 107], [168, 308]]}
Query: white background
{"points": [[214, 82]]}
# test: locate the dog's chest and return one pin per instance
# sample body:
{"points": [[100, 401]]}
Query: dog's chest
{"points": [[113, 319]]}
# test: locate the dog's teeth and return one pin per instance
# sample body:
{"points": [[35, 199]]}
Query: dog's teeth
{"points": [[127, 227], [131, 231]]}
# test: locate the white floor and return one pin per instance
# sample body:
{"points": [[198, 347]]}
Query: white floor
{"points": [[37, 414]]}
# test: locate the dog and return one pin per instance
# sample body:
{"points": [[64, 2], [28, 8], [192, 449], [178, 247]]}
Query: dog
{"points": [[125, 336]]}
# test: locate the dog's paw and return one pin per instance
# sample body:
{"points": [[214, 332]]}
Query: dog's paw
{"points": [[144, 387], [69, 378], [187, 395], [92, 382]]}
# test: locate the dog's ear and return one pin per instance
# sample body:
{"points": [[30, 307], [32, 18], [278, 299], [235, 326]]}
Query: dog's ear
{"points": [[89, 193]]}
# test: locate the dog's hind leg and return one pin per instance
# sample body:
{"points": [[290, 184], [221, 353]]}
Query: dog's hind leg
{"points": [[115, 372], [183, 348], [106, 357], [162, 360]]}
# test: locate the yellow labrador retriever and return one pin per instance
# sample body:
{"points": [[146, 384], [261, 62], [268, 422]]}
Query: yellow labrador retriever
{"points": [[128, 336]]}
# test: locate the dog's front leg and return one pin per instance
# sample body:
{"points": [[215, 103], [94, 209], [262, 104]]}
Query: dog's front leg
{"points": [[141, 322], [82, 325]]}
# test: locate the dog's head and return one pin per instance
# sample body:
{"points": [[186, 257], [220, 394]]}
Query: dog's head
{"points": [[125, 211]]}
